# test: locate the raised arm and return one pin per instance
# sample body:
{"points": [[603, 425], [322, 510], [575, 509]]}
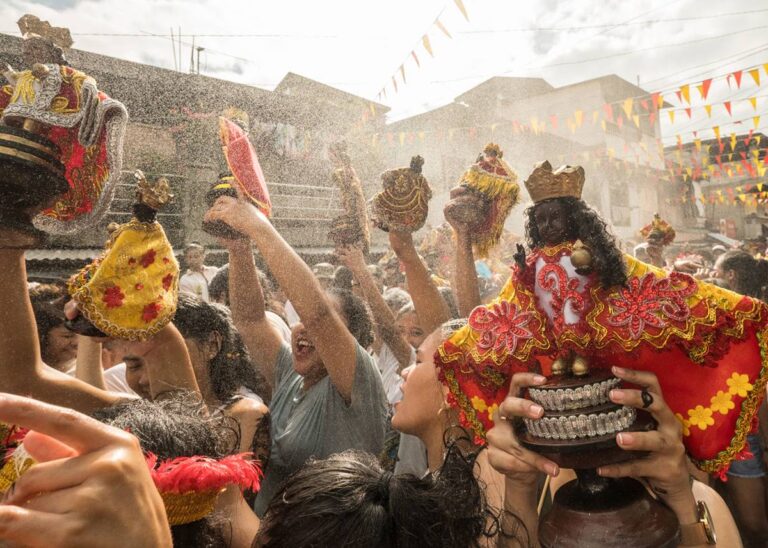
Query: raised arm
{"points": [[463, 212], [88, 364], [21, 368], [430, 306], [334, 343], [246, 299], [352, 257]]}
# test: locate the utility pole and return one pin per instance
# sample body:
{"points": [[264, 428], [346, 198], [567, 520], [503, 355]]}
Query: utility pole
{"points": [[173, 47], [199, 49], [192, 57]]}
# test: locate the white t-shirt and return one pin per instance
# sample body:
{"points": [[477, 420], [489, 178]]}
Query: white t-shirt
{"points": [[280, 325], [389, 367], [196, 283], [114, 379]]}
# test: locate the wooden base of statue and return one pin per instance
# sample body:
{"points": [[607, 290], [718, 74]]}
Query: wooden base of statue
{"points": [[31, 178], [220, 229], [593, 511]]}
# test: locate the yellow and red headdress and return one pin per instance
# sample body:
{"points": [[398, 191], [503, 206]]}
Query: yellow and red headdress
{"points": [[658, 232], [492, 178]]}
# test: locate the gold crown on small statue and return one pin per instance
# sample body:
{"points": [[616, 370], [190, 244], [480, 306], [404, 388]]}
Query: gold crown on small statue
{"points": [[545, 184], [154, 195], [492, 149]]}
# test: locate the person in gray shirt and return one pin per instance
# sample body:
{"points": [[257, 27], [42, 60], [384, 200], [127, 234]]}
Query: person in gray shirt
{"points": [[328, 396]]}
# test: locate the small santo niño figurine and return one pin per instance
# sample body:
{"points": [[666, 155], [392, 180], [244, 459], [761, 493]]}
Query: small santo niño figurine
{"points": [[658, 234], [351, 227], [130, 292], [61, 142], [575, 304], [403, 203], [492, 179]]}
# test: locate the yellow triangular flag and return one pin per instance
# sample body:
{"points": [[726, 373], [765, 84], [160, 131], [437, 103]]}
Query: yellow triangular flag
{"points": [[716, 129], [708, 108], [402, 138], [462, 9], [697, 142], [756, 121], [628, 107], [765, 68], [733, 141], [602, 124], [757, 139], [753, 102], [759, 187], [755, 74], [689, 171], [660, 100], [579, 117], [636, 119], [427, 45], [442, 28], [685, 91], [595, 115], [671, 116]]}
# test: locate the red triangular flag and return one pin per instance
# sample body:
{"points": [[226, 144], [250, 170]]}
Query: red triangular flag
{"points": [[644, 103], [608, 108], [704, 88], [737, 76], [727, 105], [688, 112]]}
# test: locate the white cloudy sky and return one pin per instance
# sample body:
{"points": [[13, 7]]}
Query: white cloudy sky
{"points": [[357, 45]]}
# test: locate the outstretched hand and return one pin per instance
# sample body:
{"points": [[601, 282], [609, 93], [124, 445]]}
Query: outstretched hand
{"points": [[665, 465], [351, 256], [464, 210], [505, 453], [239, 214], [88, 474]]}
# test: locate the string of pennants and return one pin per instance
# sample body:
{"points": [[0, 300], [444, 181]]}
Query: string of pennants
{"points": [[633, 110], [424, 44]]}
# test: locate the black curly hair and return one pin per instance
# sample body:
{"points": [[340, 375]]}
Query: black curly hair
{"points": [[231, 368], [585, 224], [347, 500], [178, 426], [751, 273], [357, 315]]}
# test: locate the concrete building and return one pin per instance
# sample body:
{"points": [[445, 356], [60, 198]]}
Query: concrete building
{"points": [[173, 131], [532, 120], [719, 185]]}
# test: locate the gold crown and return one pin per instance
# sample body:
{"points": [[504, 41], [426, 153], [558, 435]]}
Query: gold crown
{"points": [[564, 182], [154, 195], [492, 149]]}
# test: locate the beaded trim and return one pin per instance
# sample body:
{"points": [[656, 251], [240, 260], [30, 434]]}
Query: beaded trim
{"points": [[581, 426], [566, 399]]}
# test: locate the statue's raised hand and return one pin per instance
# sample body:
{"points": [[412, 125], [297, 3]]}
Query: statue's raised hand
{"points": [[519, 256]]}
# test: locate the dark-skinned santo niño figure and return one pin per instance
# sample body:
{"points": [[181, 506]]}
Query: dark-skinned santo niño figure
{"points": [[574, 305]]}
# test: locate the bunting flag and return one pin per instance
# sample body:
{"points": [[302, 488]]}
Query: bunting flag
{"points": [[628, 107], [443, 29], [685, 91], [608, 108], [402, 72], [737, 77], [756, 121], [579, 117], [671, 114], [394, 83], [755, 74], [708, 108], [688, 112], [462, 9], [716, 130], [704, 88], [415, 58], [727, 105], [753, 102], [427, 45]]}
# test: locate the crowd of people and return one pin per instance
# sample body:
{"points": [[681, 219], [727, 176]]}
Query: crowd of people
{"points": [[326, 378]]}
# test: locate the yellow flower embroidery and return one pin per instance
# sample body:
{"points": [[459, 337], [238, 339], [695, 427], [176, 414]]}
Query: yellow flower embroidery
{"points": [[685, 423], [722, 402], [479, 403], [701, 417], [492, 410], [739, 385]]}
